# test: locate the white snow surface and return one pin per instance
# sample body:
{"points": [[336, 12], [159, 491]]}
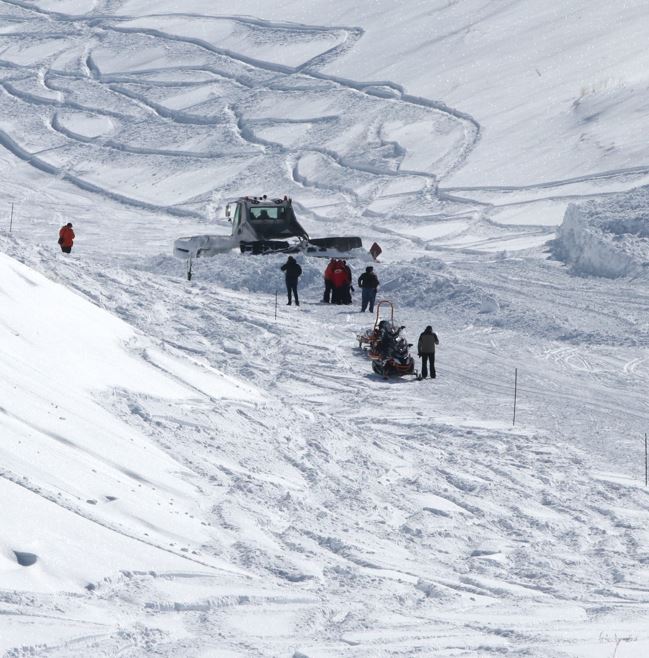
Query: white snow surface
{"points": [[192, 468], [607, 238]]}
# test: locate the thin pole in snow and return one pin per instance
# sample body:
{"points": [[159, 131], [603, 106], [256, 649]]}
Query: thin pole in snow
{"points": [[189, 268], [645, 459], [276, 304], [11, 221], [515, 394]]}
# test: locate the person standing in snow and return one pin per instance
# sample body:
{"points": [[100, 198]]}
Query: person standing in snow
{"points": [[347, 292], [339, 281], [292, 272], [66, 238], [329, 286], [426, 350], [368, 283]]}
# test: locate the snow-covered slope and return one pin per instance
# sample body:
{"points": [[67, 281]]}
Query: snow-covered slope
{"points": [[333, 513], [188, 470]]}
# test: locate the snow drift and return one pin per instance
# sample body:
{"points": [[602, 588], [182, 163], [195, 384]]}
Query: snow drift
{"points": [[607, 238]]}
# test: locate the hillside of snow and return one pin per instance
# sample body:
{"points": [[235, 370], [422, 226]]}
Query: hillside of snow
{"points": [[189, 468]]}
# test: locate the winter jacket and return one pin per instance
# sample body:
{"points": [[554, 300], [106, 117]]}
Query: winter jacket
{"points": [[292, 270], [339, 276], [427, 342], [328, 273], [368, 280], [66, 236]]}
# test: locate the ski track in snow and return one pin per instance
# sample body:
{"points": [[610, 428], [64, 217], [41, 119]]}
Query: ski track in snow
{"points": [[261, 79], [255, 78]]}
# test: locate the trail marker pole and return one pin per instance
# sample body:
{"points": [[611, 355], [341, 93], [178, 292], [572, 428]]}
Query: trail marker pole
{"points": [[645, 459], [276, 304], [11, 221], [189, 268], [515, 394]]}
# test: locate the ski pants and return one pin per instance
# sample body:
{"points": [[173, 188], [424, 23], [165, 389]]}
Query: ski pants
{"points": [[66, 250], [369, 295], [329, 287], [426, 360], [291, 288], [338, 295]]}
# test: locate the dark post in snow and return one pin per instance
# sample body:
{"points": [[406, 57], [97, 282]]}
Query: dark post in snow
{"points": [[11, 221], [645, 459], [515, 393], [276, 304], [189, 268]]}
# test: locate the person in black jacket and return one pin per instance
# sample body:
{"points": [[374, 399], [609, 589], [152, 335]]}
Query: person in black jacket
{"points": [[368, 282], [292, 272], [348, 289], [426, 350]]}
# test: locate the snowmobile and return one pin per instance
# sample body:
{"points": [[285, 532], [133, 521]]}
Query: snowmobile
{"points": [[394, 357], [262, 226], [370, 337], [387, 348]]}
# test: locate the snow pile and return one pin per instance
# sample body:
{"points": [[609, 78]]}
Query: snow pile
{"points": [[425, 281], [429, 283], [241, 272], [607, 238]]}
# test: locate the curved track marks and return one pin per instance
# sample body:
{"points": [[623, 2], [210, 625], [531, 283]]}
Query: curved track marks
{"points": [[346, 124]]}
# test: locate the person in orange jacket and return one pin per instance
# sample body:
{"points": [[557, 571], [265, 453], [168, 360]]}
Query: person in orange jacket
{"points": [[66, 238]]}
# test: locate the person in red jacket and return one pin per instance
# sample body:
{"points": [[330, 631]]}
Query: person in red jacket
{"points": [[329, 286], [66, 238], [339, 279]]}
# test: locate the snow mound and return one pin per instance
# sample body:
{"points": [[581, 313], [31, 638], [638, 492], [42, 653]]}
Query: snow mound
{"points": [[607, 238], [240, 272], [426, 281], [430, 283]]}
